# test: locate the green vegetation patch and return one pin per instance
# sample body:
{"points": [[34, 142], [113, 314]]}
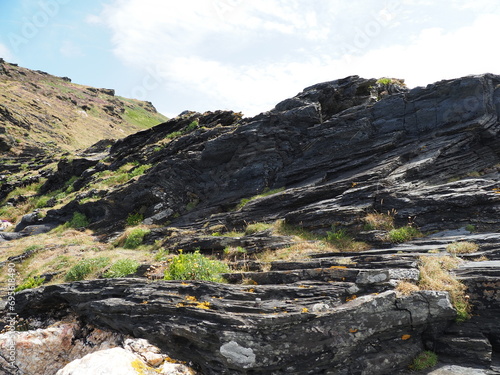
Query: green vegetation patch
{"points": [[122, 268], [85, 268], [135, 238], [404, 234], [423, 361], [78, 220], [30, 283], [195, 266]]}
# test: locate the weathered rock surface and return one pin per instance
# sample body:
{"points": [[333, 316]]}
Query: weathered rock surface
{"points": [[294, 329], [431, 154], [328, 156]]}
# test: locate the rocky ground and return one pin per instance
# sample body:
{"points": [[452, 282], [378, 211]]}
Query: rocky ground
{"points": [[359, 220]]}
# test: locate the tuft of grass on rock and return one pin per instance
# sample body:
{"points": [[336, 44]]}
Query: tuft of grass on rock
{"points": [[435, 275], [423, 361], [463, 247], [195, 266], [404, 234], [381, 221]]}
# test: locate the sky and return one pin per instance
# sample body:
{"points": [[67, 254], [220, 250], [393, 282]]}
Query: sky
{"points": [[247, 55]]}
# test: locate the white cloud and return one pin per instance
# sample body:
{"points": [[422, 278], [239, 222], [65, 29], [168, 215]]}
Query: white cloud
{"points": [[437, 54], [248, 56], [70, 49], [5, 53]]}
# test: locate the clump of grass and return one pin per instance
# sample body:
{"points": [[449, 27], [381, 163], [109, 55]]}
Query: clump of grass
{"points": [[257, 227], [343, 241], [134, 219], [379, 221], [435, 275], [266, 193], [195, 266], [404, 234], [463, 247], [85, 268], [78, 220], [30, 283], [424, 361], [406, 288], [135, 238], [122, 268]]}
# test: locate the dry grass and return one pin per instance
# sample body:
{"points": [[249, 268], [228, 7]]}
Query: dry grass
{"points": [[406, 288], [297, 251], [435, 275], [380, 221], [463, 247], [58, 252]]}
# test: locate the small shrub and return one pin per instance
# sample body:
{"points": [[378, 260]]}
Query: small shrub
{"points": [[134, 219], [424, 361], [78, 220], [384, 81], [31, 282], [135, 237], [470, 228], [195, 266], [122, 268], [404, 234], [463, 247], [86, 267]]}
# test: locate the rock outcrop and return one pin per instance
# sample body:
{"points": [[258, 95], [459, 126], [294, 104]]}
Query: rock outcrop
{"points": [[431, 154], [320, 162]]}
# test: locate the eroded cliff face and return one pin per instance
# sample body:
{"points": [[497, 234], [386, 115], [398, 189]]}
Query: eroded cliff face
{"points": [[329, 156]]}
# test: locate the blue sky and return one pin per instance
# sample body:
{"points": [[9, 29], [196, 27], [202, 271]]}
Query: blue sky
{"points": [[246, 55]]}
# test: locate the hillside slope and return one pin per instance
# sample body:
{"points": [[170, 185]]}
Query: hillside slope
{"points": [[39, 111]]}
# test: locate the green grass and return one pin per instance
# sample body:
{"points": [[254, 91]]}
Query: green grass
{"points": [[140, 117], [195, 266], [384, 81], [122, 268], [85, 268], [135, 237], [134, 219], [423, 361], [78, 220], [404, 234], [31, 282]]}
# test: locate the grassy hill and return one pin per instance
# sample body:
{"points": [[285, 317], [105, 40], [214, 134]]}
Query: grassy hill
{"points": [[39, 111]]}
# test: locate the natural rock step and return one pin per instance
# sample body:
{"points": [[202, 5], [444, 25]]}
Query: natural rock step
{"points": [[362, 277], [361, 261]]}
